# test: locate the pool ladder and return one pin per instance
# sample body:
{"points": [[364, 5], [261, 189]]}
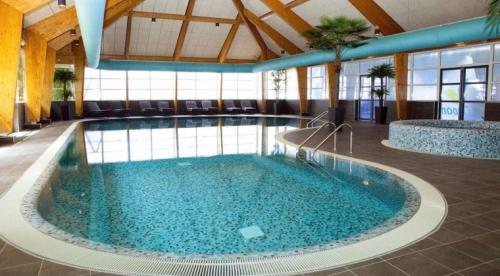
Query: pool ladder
{"points": [[333, 133]]}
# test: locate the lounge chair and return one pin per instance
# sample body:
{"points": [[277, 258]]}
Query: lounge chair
{"points": [[164, 108], [207, 107], [93, 110], [146, 108], [117, 109], [230, 107], [247, 107], [192, 107]]}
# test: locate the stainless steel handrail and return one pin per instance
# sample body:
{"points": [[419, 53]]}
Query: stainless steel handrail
{"points": [[317, 118], [334, 133], [314, 133]]}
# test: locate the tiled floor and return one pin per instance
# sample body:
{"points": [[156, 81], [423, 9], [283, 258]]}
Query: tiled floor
{"points": [[468, 243]]}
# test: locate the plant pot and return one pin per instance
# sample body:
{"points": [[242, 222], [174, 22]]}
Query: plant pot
{"points": [[277, 107], [65, 111], [336, 115], [381, 115]]}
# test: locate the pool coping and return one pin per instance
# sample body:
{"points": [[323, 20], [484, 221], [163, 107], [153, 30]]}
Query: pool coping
{"points": [[23, 235]]}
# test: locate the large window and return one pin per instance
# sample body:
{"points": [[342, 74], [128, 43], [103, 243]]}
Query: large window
{"points": [[423, 76], [241, 86], [102, 85], [351, 76], [316, 83], [288, 90], [198, 86], [154, 85]]}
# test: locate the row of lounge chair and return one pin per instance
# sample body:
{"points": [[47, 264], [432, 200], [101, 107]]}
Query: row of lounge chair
{"points": [[163, 108]]}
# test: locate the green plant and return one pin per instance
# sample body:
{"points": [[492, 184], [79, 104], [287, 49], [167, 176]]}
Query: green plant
{"points": [[279, 78], [381, 72], [65, 78], [493, 17], [337, 34]]}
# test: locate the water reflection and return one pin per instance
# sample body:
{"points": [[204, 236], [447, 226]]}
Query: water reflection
{"points": [[154, 139]]}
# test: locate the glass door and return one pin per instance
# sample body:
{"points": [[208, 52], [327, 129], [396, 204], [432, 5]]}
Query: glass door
{"points": [[367, 102], [463, 93]]}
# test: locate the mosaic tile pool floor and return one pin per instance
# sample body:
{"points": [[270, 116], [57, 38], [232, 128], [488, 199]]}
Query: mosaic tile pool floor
{"points": [[222, 204]]}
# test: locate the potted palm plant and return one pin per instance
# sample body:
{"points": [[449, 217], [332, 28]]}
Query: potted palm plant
{"points": [[279, 80], [337, 34], [381, 72], [65, 78]]}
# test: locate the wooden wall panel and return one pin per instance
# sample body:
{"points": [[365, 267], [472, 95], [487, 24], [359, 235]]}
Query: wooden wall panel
{"points": [[302, 80], [401, 83], [48, 81], [35, 52], [79, 54], [10, 43]]}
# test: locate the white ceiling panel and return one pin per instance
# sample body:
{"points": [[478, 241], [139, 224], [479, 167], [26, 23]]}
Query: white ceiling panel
{"points": [[153, 38], [44, 12], [163, 6], [311, 11], [244, 45], [113, 42], [271, 44], [284, 29], [256, 6], [204, 39], [416, 14], [215, 8]]}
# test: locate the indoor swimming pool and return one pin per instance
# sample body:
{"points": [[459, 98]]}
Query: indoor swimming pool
{"points": [[212, 189]]}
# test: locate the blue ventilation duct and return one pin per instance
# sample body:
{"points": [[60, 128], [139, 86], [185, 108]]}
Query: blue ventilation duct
{"points": [[91, 19], [435, 37]]}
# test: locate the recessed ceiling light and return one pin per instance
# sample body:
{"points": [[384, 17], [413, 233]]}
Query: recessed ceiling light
{"points": [[72, 32], [61, 3], [377, 30], [76, 42]]}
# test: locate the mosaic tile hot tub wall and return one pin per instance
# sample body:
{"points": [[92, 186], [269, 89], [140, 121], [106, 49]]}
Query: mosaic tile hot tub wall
{"points": [[453, 138]]}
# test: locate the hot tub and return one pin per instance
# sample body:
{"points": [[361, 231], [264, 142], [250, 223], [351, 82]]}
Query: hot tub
{"points": [[452, 138]]}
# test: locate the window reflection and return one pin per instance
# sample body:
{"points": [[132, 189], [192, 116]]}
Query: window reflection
{"points": [[150, 140]]}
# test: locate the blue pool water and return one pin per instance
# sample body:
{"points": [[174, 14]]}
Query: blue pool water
{"points": [[212, 187]]}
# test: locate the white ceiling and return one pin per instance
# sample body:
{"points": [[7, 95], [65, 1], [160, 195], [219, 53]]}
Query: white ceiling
{"points": [[44, 12], [205, 39]]}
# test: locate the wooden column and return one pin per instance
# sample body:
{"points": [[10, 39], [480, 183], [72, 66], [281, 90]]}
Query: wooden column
{"points": [[79, 54], [401, 84], [48, 81], [302, 81], [10, 43], [332, 69], [35, 52]]}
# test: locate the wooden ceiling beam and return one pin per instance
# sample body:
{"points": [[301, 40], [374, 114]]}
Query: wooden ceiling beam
{"points": [[377, 16], [171, 16], [289, 6], [115, 10], [229, 41], [61, 22], [253, 30], [281, 40], [128, 34], [26, 6], [183, 31], [288, 15]]}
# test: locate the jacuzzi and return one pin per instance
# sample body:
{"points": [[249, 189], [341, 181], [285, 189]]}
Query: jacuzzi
{"points": [[452, 138]]}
